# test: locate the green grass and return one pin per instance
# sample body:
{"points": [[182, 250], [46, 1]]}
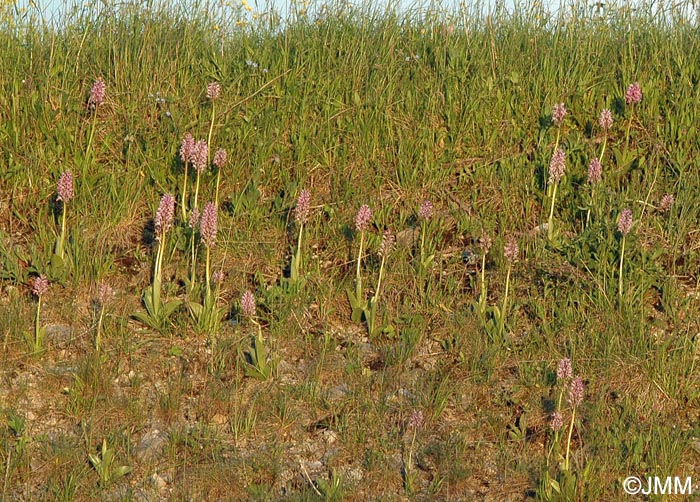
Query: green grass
{"points": [[360, 106]]}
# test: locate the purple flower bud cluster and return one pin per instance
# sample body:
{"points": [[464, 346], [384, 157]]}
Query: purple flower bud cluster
{"points": [[416, 420], [248, 304], [218, 277], [220, 158], [624, 222], [606, 119], [557, 166], [387, 245], [214, 91], [666, 202], [165, 214], [104, 293], [40, 286], [364, 215], [64, 187], [558, 114], [633, 95], [301, 211], [485, 243], [199, 155], [187, 148], [426, 210], [557, 421], [564, 369], [576, 391], [97, 93], [208, 225], [193, 222], [511, 249], [595, 171]]}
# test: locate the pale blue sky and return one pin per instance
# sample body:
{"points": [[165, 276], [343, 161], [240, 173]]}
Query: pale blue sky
{"points": [[52, 8]]}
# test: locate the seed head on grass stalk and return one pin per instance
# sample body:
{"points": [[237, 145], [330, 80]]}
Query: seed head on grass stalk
{"points": [[104, 294], [624, 225]]}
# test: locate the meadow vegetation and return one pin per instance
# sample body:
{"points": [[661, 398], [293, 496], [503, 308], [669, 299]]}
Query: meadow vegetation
{"points": [[348, 254]]}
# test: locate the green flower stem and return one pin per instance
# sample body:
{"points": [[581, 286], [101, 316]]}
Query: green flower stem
{"points": [[629, 126], [193, 266], [556, 145], [484, 293], [86, 160], [99, 328], [37, 326], [600, 159], [568, 439], [62, 238], [184, 196], [298, 255], [622, 259], [157, 275], [550, 221], [358, 280], [218, 171], [375, 298], [196, 190], [502, 320], [208, 278]]}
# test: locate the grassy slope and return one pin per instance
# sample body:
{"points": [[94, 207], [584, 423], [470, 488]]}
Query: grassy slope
{"points": [[360, 108]]}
